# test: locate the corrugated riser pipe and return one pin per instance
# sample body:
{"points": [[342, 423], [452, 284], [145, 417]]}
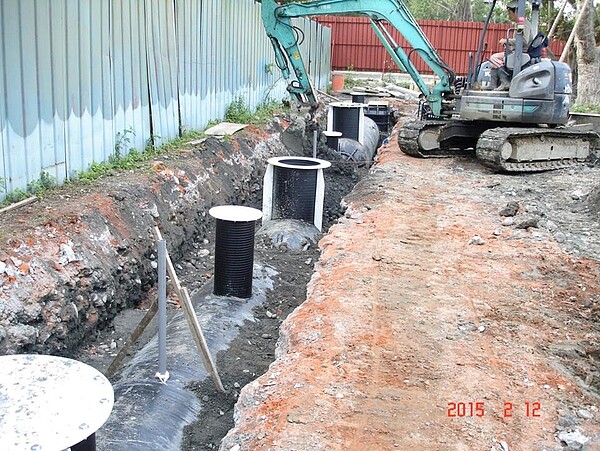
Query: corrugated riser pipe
{"points": [[294, 188], [358, 97], [234, 249], [360, 134], [333, 139], [346, 118], [353, 150], [294, 192]]}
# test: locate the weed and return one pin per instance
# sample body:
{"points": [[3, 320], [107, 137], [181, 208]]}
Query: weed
{"points": [[177, 143], [14, 196], [239, 112], [351, 82], [40, 186], [586, 108], [122, 141], [269, 68], [266, 111], [212, 123], [37, 187]]}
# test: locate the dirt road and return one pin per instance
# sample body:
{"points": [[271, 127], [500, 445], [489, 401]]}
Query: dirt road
{"points": [[433, 322]]}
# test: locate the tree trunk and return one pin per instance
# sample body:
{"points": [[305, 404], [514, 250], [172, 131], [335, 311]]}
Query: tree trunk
{"points": [[588, 59], [464, 12]]}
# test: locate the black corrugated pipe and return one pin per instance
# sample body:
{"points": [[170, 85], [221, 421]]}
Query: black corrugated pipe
{"points": [[358, 97], [360, 134], [294, 188], [347, 119], [353, 150], [151, 415], [333, 139], [234, 249]]}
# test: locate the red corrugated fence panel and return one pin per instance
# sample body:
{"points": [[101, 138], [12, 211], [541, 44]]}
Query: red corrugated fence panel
{"points": [[355, 46]]}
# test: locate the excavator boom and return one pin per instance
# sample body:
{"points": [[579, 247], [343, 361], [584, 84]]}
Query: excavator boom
{"points": [[285, 40]]}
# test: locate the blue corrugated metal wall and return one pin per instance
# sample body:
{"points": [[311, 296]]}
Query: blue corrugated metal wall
{"points": [[81, 79]]}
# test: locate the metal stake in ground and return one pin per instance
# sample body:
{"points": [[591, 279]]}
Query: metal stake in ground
{"points": [[234, 249], [162, 373]]}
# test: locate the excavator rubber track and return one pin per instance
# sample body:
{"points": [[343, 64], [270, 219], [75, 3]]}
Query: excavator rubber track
{"points": [[515, 149], [409, 139]]}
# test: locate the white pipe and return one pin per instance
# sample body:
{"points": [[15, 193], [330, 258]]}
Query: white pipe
{"points": [[565, 51], [556, 20]]}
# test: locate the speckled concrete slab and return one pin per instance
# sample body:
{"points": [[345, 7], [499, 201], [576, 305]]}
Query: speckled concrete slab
{"points": [[50, 403]]}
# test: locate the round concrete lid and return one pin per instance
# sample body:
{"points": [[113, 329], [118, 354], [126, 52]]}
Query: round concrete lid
{"points": [[299, 162], [235, 213], [49, 402]]}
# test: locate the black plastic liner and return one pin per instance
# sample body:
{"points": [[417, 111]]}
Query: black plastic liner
{"points": [[151, 415]]}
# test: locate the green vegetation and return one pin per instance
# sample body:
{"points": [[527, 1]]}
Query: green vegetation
{"points": [[350, 82], [239, 112], [125, 158], [269, 68], [122, 142], [134, 159], [586, 108], [14, 196], [40, 186], [37, 187]]}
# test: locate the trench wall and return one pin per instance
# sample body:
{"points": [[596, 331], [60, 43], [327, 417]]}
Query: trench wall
{"points": [[83, 80], [71, 262]]}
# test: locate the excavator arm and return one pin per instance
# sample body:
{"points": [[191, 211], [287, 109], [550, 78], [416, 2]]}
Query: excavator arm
{"points": [[285, 39]]}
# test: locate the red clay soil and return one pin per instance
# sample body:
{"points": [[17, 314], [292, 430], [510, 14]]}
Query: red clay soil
{"points": [[418, 336]]}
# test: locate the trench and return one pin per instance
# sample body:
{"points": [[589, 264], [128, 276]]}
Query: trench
{"points": [[187, 412]]}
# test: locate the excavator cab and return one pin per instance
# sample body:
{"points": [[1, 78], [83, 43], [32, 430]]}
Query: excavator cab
{"points": [[533, 55]]}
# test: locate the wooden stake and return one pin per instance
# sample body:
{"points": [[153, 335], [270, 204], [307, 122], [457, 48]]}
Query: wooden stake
{"points": [[139, 329], [190, 314], [192, 319], [19, 204]]}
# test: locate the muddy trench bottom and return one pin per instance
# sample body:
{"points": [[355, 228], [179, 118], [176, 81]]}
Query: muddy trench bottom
{"points": [[253, 349]]}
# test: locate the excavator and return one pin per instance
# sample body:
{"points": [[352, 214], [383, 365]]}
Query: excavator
{"points": [[523, 129]]}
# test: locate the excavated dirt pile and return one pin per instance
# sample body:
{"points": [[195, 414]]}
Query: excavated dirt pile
{"points": [[452, 308]]}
